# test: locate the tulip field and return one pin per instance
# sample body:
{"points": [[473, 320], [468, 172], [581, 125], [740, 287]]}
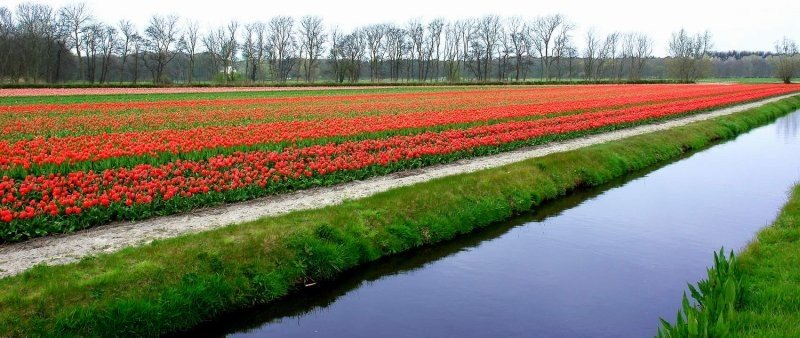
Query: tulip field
{"points": [[69, 165]]}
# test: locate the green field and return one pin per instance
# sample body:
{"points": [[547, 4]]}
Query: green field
{"points": [[739, 80], [12, 100]]}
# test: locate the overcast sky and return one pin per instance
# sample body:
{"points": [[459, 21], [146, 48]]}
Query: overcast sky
{"points": [[742, 25]]}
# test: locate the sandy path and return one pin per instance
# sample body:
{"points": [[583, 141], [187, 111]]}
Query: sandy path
{"points": [[62, 249]]}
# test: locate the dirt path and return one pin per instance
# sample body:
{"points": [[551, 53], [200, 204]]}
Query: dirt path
{"points": [[18, 257]]}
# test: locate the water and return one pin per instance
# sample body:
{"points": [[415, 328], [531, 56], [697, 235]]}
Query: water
{"points": [[607, 262]]}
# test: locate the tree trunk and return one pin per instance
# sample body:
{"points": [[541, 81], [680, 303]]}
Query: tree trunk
{"points": [[135, 69], [191, 70]]}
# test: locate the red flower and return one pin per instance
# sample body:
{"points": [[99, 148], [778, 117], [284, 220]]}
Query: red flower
{"points": [[397, 130]]}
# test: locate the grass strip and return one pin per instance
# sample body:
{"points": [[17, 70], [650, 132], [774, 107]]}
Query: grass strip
{"points": [[770, 273], [753, 294], [177, 283]]}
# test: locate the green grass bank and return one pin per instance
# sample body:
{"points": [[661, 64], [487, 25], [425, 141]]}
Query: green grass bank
{"points": [[177, 283], [754, 294], [770, 277]]}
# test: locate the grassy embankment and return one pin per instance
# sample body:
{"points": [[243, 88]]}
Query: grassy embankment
{"points": [[770, 276], [176, 283], [754, 294]]}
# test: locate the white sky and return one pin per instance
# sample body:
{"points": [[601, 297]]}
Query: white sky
{"points": [[742, 25]]}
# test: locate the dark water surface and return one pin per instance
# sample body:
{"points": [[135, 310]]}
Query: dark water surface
{"points": [[607, 262]]}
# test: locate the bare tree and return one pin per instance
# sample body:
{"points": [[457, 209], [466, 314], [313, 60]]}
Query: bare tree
{"points": [[249, 48], [572, 55], [636, 49], [409, 56], [92, 35], [454, 47], [128, 31], [228, 47], [375, 36], [627, 50], [188, 44], [312, 40], [606, 56], [35, 29], [468, 30], [137, 41], [7, 33], [505, 50], [347, 53], [473, 49], [76, 16], [590, 54], [109, 43], [61, 38], [688, 55], [283, 47], [451, 50], [425, 42], [35, 42], [530, 45], [516, 32], [336, 54], [434, 37], [162, 33], [416, 34], [395, 49], [644, 51], [222, 45], [544, 30], [786, 60], [561, 43], [253, 48], [489, 31], [209, 40], [353, 48]]}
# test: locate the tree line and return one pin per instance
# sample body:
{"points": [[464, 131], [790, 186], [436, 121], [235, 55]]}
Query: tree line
{"points": [[42, 44]]}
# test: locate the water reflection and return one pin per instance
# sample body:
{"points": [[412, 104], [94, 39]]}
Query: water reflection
{"points": [[603, 263], [314, 300], [788, 126]]}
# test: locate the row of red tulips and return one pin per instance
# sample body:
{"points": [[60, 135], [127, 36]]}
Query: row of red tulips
{"points": [[37, 120], [328, 102], [201, 143], [42, 204]]}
